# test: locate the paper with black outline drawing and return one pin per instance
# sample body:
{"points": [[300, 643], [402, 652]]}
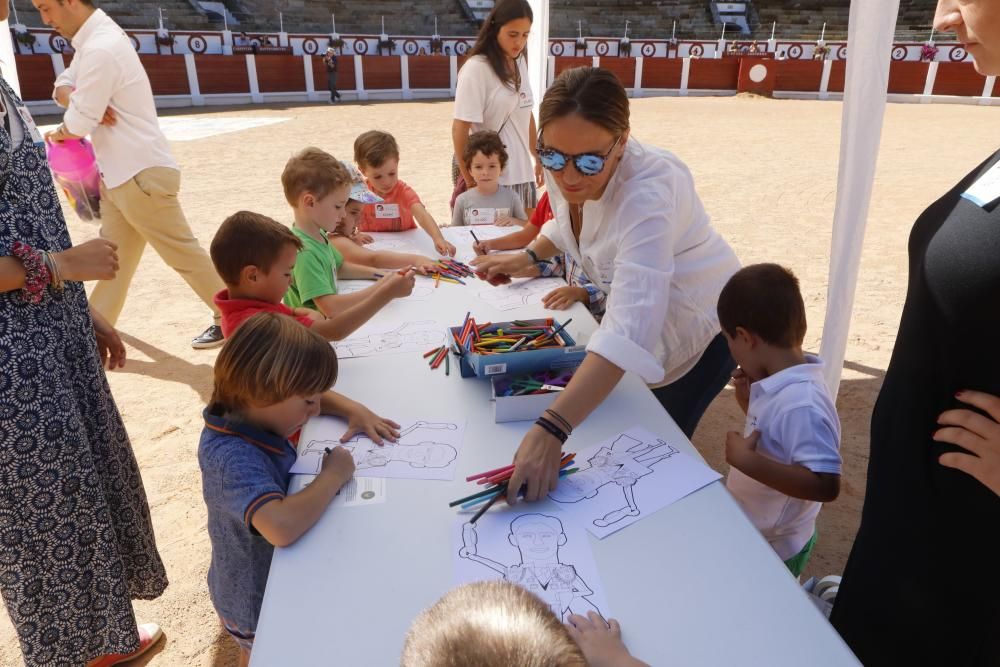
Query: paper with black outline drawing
{"points": [[627, 478], [544, 551], [392, 241], [420, 292], [378, 339], [426, 449], [461, 238], [519, 292]]}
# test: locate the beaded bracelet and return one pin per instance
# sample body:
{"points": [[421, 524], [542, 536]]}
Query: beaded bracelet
{"points": [[36, 273], [562, 420], [553, 430]]}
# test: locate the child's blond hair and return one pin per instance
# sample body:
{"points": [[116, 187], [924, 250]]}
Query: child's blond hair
{"points": [[315, 171], [490, 624], [373, 148], [271, 358]]}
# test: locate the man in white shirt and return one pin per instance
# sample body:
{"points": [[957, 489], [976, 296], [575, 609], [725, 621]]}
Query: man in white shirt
{"points": [[107, 95]]}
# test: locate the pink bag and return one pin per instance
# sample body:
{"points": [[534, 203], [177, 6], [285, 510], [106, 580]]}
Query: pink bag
{"points": [[74, 168]]}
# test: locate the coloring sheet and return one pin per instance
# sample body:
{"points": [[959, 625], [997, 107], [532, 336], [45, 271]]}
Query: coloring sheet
{"points": [[518, 292], [461, 238], [626, 478], [427, 449], [421, 292], [544, 552], [375, 339], [394, 242]]}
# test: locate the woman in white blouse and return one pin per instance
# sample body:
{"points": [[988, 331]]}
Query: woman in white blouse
{"points": [[493, 93], [628, 213]]}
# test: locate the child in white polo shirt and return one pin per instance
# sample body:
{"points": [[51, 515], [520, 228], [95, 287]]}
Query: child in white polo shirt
{"points": [[787, 461]]}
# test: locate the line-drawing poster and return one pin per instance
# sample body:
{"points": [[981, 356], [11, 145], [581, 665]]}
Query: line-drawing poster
{"points": [[519, 293], [626, 478], [373, 339], [419, 293], [544, 552], [427, 449]]}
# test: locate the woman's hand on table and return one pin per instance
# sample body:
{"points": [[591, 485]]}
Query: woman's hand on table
{"points": [[977, 434], [536, 465], [492, 265]]}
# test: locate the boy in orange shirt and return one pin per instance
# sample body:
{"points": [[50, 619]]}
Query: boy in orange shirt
{"points": [[377, 156]]}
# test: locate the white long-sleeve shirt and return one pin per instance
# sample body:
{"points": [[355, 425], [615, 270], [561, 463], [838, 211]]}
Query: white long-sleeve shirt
{"points": [[106, 71], [648, 244]]}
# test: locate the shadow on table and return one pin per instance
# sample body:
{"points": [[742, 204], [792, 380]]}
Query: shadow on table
{"points": [[165, 366]]}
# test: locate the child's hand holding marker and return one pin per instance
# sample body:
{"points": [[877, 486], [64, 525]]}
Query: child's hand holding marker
{"points": [[400, 283], [338, 461]]}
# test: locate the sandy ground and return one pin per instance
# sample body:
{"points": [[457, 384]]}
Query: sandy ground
{"points": [[765, 169]]}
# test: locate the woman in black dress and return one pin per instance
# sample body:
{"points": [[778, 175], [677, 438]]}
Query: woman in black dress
{"points": [[918, 588]]}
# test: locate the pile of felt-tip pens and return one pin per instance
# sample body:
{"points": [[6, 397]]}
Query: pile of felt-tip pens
{"points": [[438, 355], [450, 271], [500, 479], [492, 338], [543, 382]]}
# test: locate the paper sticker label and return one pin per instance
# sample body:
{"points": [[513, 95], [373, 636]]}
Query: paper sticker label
{"points": [[386, 211], [495, 369], [481, 216]]}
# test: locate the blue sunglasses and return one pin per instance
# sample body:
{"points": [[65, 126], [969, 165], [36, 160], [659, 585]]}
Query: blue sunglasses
{"points": [[588, 164]]}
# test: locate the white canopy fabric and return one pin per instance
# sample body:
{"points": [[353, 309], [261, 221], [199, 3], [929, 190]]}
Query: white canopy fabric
{"points": [[870, 36], [7, 68]]}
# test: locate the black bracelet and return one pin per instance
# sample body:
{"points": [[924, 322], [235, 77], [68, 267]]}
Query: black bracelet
{"points": [[554, 430], [533, 255], [559, 418]]}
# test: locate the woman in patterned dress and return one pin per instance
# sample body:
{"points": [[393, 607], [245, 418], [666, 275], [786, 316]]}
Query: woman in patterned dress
{"points": [[76, 540]]}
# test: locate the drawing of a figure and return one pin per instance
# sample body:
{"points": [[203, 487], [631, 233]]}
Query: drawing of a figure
{"points": [[367, 454], [411, 335], [418, 455], [623, 464], [538, 538], [515, 295]]}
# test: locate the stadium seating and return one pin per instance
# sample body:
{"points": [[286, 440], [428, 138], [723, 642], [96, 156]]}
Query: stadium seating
{"points": [[800, 19]]}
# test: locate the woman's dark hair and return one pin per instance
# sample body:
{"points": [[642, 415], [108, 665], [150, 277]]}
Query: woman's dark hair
{"points": [[593, 93], [504, 11]]}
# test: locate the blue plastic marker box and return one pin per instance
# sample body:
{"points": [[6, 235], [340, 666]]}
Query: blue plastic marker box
{"points": [[473, 364]]}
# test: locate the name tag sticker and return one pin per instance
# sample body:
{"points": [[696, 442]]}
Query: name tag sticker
{"points": [[482, 216], [386, 211], [525, 100], [986, 189]]}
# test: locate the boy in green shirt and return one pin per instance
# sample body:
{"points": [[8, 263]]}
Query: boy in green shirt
{"points": [[317, 187]]}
